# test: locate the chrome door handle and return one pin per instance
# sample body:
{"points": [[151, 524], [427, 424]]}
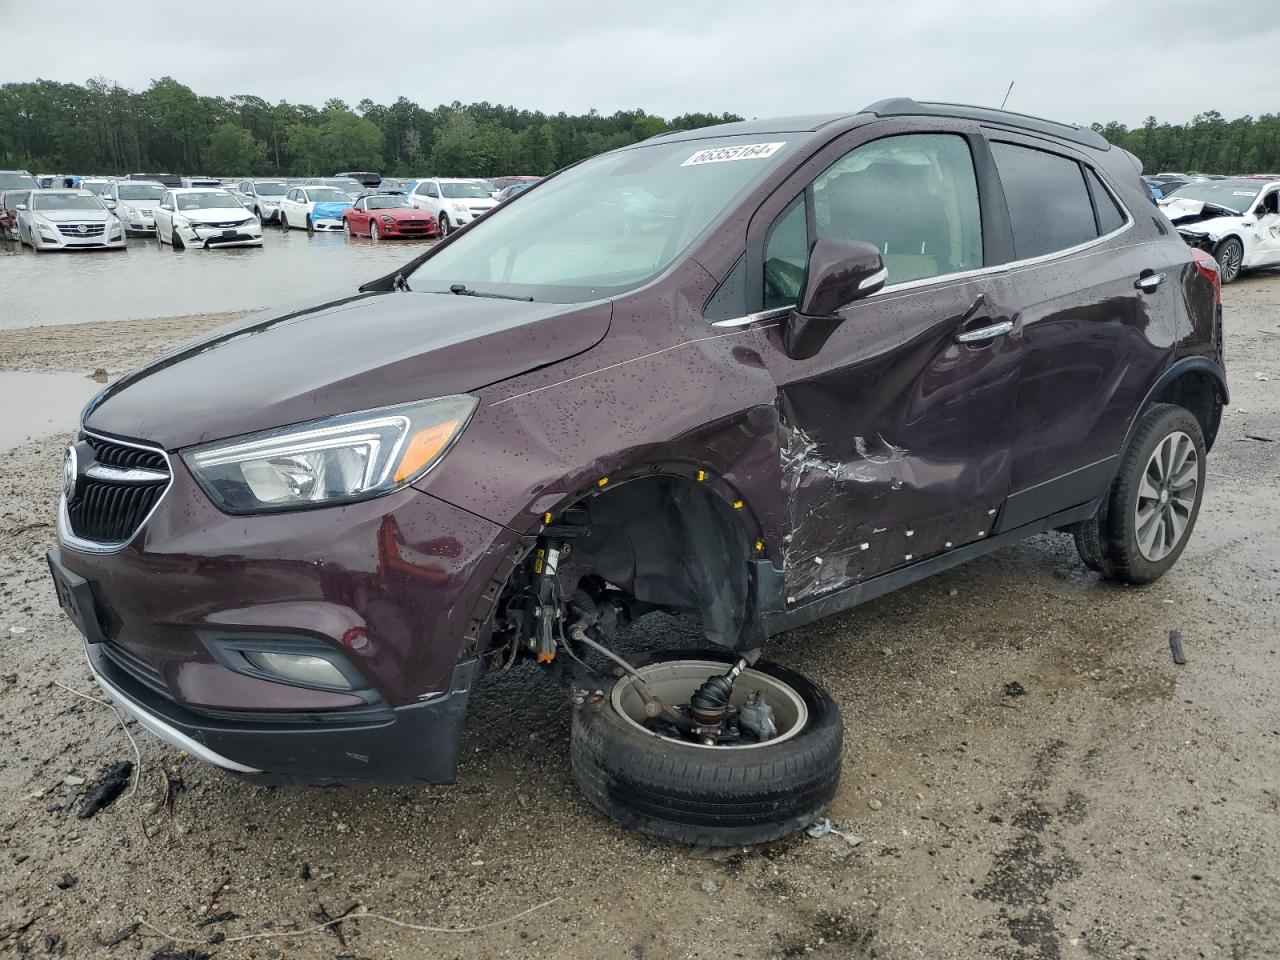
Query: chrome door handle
{"points": [[1149, 283], [986, 333]]}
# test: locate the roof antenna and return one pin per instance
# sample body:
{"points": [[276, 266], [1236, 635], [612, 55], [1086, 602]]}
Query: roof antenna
{"points": [[1006, 95]]}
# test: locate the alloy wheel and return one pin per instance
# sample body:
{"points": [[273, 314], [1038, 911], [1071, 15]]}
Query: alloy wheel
{"points": [[1230, 256], [1167, 496], [373, 230]]}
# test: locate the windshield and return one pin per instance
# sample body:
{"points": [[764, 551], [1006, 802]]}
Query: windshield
{"points": [[271, 189], [462, 191], [345, 185], [211, 200], [327, 195], [17, 181], [1237, 195], [140, 191], [604, 226], [65, 201], [98, 187], [386, 203]]}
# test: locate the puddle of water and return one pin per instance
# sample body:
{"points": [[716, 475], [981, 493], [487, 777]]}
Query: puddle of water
{"points": [[147, 280], [41, 404]]}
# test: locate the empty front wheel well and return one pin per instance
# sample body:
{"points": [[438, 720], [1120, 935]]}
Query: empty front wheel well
{"points": [[1199, 393], [670, 542]]}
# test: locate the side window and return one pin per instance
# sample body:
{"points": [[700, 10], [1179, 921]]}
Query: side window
{"points": [[1110, 216], [166, 201], [432, 191], [1049, 206], [914, 197], [786, 253]]}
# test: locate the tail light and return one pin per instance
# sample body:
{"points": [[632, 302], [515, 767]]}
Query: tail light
{"points": [[1208, 268]]}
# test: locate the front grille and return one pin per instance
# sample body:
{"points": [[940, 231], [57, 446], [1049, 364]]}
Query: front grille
{"points": [[109, 511], [81, 229], [222, 226]]}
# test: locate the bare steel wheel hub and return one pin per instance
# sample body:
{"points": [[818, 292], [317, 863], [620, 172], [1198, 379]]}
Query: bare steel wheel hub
{"points": [[676, 681]]}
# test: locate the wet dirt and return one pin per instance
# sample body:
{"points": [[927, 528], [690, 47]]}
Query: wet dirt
{"points": [[1120, 807]]}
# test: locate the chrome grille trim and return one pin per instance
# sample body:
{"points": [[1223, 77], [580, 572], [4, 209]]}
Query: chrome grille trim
{"points": [[146, 454]]}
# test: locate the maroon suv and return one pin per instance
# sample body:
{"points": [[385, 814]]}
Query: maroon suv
{"points": [[758, 373]]}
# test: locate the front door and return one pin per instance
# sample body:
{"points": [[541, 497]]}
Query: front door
{"points": [[895, 438]]}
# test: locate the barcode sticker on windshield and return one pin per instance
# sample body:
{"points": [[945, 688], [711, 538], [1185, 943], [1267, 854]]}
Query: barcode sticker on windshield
{"points": [[1242, 193], [744, 151]]}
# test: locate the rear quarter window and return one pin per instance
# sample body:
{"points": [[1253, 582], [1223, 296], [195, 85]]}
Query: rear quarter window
{"points": [[1110, 216], [1049, 207]]}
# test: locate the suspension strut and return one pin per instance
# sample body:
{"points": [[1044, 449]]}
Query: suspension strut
{"points": [[545, 563]]}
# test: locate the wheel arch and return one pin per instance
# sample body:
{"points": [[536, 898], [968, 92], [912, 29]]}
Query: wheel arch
{"points": [[677, 535], [1194, 383]]}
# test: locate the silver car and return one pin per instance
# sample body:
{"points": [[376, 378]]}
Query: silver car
{"points": [[68, 220], [134, 203]]}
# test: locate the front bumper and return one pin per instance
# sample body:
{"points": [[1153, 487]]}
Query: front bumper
{"points": [[106, 241], [395, 586], [198, 235], [327, 224], [386, 748]]}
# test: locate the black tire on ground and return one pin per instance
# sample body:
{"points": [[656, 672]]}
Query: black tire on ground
{"points": [[1230, 256], [709, 796], [176, 240], [311, 227], [444, 225], [1108, 542], [284, 223]]}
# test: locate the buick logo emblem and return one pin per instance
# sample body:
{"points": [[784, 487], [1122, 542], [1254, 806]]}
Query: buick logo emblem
{"points": [[70, 472]]}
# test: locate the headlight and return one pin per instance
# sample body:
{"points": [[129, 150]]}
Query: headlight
{"points": [[337, 460], [459, 208], [386, 219]]}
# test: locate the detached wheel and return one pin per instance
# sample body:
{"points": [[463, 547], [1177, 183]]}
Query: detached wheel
{"points": [[1230, 256], [723, 795], [1151, 509]]}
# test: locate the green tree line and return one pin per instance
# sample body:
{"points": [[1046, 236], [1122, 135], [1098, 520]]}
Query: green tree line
{"points": [[102, 127], [1210, 143]]}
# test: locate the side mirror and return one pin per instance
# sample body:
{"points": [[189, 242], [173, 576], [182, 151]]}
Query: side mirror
{"points": [[839, 272], [110, 204], [22, 206]]}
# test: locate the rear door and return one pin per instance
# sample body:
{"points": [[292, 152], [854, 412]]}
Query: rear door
{"points": [[896, 437], [1095, 292]]}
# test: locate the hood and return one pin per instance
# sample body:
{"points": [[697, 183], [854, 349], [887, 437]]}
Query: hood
{"points": [[74, 216], [235, 214], [1183, 210], [369, 350], [142, 206], [328, 211], [404, 213]]}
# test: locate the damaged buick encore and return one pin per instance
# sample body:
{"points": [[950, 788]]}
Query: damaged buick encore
{"points": [[756, 373]]}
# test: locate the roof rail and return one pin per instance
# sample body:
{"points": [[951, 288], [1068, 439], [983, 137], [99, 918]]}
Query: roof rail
{"points": [[906, 107]]}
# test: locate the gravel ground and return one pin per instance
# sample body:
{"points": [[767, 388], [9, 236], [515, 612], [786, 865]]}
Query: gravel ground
{"points": [[1120, 807]]}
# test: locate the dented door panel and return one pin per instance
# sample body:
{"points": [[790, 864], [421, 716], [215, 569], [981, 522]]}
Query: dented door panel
{"points": [[895, 440]]}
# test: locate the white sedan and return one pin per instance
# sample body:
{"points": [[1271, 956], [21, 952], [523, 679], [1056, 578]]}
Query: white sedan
{"points": [[67, 220], [313, 208], [1235, 220], [198, 217]]}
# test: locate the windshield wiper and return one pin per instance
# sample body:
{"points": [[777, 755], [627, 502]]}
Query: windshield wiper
{"points": [[461, 290]]}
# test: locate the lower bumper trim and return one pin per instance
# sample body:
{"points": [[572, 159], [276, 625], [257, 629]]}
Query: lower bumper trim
{"points": [[164, 731]]}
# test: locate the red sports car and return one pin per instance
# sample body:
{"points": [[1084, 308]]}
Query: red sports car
{"points": [[387, 215]]}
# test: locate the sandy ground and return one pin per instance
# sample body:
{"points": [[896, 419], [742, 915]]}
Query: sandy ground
{"points": [[1123, 807]]}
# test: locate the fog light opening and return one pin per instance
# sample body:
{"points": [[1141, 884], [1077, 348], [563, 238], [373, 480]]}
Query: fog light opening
{"points": [[299, 668]]}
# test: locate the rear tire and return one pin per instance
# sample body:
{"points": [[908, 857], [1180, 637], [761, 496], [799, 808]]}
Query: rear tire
{"points": [[1150, 511], [713, 796], [284, 222]]}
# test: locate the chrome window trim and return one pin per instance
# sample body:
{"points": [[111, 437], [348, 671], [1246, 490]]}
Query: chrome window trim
{"points": [[68, 539], [1012, 265]]}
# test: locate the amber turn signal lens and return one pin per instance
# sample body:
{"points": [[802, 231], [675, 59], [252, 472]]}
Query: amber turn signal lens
{"points": [[425, 447]]}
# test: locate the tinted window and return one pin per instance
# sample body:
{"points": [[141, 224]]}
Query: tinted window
{"points": [[1049, 207], [913, 197], [1110, 216], [786, 253]]}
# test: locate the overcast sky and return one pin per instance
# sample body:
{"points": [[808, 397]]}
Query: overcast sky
{"points": [[1075, 60]]}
